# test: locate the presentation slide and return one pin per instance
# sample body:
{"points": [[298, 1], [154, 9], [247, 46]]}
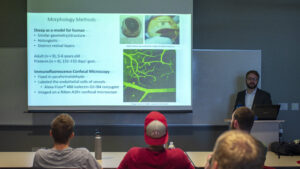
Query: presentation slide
{"points": [[109, 61]]}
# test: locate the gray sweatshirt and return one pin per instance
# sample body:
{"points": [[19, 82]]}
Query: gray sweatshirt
{"points": [[67, 158]]}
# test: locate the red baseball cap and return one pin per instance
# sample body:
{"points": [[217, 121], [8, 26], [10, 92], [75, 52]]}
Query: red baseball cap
{"points": [[156, 129]]}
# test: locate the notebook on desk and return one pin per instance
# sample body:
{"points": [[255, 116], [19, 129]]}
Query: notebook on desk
{"points": [[266, 112]]}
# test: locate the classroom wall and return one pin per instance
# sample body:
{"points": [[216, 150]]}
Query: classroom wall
{"points": [[114, 138], [269, 25]]}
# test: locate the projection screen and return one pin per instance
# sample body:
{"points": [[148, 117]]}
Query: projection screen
{"points": [[109, 55]]}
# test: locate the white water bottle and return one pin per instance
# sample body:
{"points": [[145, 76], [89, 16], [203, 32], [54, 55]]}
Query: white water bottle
{"points": [[98, 146], [171, 145]]}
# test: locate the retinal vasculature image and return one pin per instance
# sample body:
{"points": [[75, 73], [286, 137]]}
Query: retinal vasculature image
{"points": [[149, 75]]}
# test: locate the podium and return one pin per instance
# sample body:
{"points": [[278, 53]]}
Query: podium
{"points": [[266, 131]]}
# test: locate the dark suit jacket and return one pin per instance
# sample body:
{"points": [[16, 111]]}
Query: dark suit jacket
{"points": [[261, 97]]}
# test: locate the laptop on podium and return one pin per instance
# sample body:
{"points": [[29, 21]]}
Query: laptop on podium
{"points": [[266, 112]]}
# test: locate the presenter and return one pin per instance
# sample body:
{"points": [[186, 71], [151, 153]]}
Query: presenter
{"points": [[252, 95]]}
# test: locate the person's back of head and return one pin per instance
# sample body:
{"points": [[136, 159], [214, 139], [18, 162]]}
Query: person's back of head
{"points": [[243, 119], [237, 149], [61, 155], [62, 128], [156, 155], [155, 129]]}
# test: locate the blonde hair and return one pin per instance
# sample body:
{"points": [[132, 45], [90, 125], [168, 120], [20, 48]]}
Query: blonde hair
{"points": [[237, 149]]}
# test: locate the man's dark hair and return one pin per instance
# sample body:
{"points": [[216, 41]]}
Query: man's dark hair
{"points": [[253, 72], [244, 117], [62, 128]]}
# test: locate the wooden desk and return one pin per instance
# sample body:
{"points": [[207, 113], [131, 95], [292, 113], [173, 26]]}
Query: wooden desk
{"points": [[272, 160], [111, 160], [16, 159], [25, 159], [198, 158]]}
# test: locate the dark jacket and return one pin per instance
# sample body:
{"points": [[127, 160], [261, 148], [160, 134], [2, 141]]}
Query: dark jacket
{"points": [[261, 97]]}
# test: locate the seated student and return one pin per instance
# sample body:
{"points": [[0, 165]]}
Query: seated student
{"points": [[155, 156], [61, 155], [236, 149], [242, 119]]}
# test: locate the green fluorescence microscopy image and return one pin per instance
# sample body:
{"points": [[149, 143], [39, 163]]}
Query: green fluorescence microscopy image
{"points": [[149, 75]]}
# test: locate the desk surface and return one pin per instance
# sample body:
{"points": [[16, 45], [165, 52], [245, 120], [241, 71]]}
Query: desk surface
{"points": [[111, 159], [272, 160]]}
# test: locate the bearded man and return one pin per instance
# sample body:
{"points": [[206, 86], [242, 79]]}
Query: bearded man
{"points": [[252, 95]]}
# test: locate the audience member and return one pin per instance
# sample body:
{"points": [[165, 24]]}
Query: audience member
{"points": [[155, 156], [236, 149], [242, 119], [62, 155]]}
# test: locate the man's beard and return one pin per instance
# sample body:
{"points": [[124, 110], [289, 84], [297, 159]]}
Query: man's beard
{"points": [[252, 86]]}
